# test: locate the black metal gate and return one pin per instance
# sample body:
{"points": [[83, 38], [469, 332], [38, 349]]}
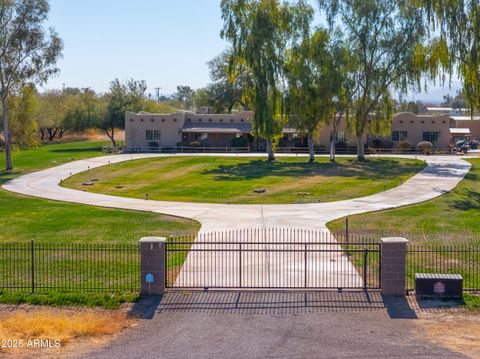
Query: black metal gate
{"points": [[272, 259]]}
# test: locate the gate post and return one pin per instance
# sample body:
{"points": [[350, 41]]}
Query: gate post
{"points": [[152, 265], [393, 266]]}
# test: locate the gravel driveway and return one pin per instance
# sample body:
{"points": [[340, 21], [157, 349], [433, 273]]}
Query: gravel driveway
{"points": [[273, 325]]}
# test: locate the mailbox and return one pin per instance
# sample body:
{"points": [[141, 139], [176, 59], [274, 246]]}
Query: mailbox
{"points": [[438, 285]]}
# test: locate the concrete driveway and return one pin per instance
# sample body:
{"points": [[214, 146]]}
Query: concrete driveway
{"points": [[441, 175], [203, 268]]}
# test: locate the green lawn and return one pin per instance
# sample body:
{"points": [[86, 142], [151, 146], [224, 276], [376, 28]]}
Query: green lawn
{"points": [[24, 218], [57, 224], [233, 180], [451, 218]]}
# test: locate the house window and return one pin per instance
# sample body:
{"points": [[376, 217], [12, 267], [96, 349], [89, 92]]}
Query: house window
{"points": [[430, 136], [201, 136], [399, 135], [152, 135], [340, 137]]}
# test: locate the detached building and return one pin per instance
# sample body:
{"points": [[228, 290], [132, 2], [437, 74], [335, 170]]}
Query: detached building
{"points": [[151, 131]]}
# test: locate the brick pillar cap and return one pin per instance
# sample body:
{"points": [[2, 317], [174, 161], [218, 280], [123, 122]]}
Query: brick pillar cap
{"points": [[153, 239], [394, 240]]}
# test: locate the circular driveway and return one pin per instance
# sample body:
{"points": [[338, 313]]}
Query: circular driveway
{"points": [[441, 175]]}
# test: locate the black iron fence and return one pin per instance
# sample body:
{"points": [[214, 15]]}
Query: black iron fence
{"points": [[45, 267], [250, 258], [272, 259], [461, 259]]}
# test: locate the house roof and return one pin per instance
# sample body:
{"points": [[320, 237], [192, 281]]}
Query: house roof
{"points": [[460, 131], [231, 127], [462, 118]]}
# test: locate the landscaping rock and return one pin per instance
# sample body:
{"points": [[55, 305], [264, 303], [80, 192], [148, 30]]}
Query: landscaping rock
{"points": [[259, 190], [93, 179], [118, 186], [87, 184]]}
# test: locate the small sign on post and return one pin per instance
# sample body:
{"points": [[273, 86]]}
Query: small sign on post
{"points": [[439, 288], [149, 279]]}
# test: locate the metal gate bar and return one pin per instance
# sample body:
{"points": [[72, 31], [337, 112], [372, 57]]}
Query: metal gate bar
{"points": [[272, 264]]}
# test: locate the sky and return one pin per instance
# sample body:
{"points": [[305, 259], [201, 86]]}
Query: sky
{"points": [[164, 42]]}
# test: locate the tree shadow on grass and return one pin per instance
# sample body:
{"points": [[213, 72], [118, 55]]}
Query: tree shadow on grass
{"points": [[6, 176], [370, 169], [469, 199], [78, 150]]}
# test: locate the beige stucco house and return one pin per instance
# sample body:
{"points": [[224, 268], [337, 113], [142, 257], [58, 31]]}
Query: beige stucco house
{"points": [[151, 131]]}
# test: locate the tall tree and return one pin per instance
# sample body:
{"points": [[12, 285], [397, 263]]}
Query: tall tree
{"points": [[123, 97], [260, 31], [309, 99], [24, 110], [228, 87], [385, 37], [459, 102], [85, 111], [185, 96], [457, 24], [343, 86], [54, 105], [27, 52]]}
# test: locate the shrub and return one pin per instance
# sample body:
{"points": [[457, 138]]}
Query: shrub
{"points": [[239, 142], [376, 143], [194, 144], [341, 145], [405, 146], [181, 143], [425, 147], [153, 144]]}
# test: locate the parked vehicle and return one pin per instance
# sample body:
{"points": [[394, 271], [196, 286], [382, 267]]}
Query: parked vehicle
{"points": [[460, 147]]}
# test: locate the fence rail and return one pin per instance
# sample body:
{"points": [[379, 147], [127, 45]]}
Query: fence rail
{"points": [[253, 258], [461, 259], [272, 259], [188, 149], [46, 267], [285, 149]]}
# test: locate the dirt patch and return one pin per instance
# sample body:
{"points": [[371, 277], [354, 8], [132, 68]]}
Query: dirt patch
{"points": [[32, 331], [456, 331]]}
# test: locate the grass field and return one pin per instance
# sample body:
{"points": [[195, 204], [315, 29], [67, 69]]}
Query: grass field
{"points": [[451, 218], [25, 218], [48, 222], [233, 180]]}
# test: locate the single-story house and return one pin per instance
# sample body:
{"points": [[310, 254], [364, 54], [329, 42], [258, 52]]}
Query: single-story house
{"points": [[147, 131]]}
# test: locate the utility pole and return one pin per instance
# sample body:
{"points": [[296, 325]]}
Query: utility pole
{"points": [[157, 89]]}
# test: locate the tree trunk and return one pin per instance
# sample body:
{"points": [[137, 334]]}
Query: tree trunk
{"points": [[111, 136], [42, 134], [333, 141], [52, 133], [332, 150], [311, 153], [61, 132], [271, 156], [7, 136], [360, 148]]}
